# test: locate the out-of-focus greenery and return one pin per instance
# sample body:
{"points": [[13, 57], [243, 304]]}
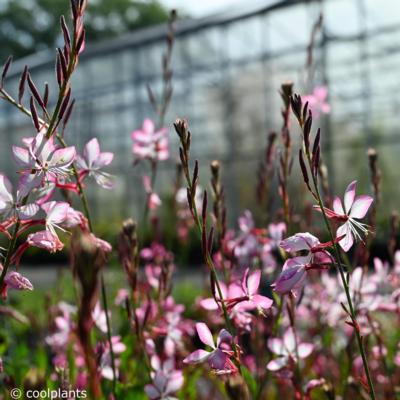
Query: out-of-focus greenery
{"points": [[30, 26]]}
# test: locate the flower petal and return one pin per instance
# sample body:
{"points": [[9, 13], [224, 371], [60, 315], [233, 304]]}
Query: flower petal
{"points": [[217, 359], [63, 157], [205, 334], [292, 273], [197, 356], [348, 239], [104, 159], [289, 340], [338, 206], [91, 152], [253, 282], [349, 196], [224, 337], [148, 126], [17, 281], [262, 301], [21, 156], [299, 241], [361, 206], [152, 392], [305, 349], [5, 189], [276, 346], [277, 364]]}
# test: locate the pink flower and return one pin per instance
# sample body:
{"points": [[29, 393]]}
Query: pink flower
{"points": [[59, 339], [17, 281], [121, 297], [317, 101], [42, 239], [219, 357], [150, 144], [41, 158], [45, 240], [10, 207], [276, 232], [92, 162], [166, 380], [75, 218], [352, 209], [285, 349], [101, 244], [294, 270], [105, 359], [99, 317], [56, 214], [153, 199], [292, 277], [252, 300]]}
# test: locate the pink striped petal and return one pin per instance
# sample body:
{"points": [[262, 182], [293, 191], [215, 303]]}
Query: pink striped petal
{"points": [[217, 359], [21, 156], [104, 159], [205, 334], [91, 151], [262, 301], [17, 281], [360, 206], [253, 282], [197, 356], [148, 126], [348, 239], [224, 337], [5, 189], [277, 364], [299, 241], [276, 346], [305, 349], [338, 206], [63, 157], [349, 196]]}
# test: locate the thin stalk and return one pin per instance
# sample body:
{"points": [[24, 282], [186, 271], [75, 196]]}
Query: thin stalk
{"points": [[10, 250], [152, 183], [344, 283], [211, 266], [104, 295], [63, 88]]}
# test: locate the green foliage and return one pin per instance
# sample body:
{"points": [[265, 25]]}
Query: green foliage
{"points": [[251, 381], [30, 26]]}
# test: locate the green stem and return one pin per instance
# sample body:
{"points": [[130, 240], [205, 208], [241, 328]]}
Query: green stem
{"points": [[104, 295], [10, 250], [344, 283], [152, 183], [211, 266]]}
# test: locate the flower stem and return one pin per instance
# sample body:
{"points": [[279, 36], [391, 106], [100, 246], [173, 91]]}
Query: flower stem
{"points": [[345, 285], [104, 295], [10, 250]]}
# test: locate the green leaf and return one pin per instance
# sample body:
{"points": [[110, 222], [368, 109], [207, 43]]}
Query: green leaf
{"points": [[250, 380]]}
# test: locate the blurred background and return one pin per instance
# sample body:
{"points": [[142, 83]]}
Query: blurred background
{"points": [[229, 60]]}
